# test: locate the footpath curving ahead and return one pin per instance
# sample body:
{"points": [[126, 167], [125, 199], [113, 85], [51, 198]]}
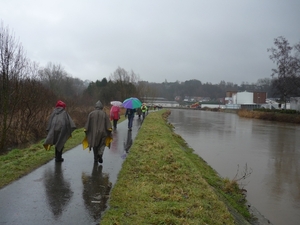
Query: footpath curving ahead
{"points": [[163, 182]]}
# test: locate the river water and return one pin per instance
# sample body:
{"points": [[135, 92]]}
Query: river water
{"points": [[232, 145]]}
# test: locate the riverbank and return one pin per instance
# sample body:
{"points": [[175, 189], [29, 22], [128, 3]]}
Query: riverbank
{"points": [[163, 182], [271, 116], [263, 114]]}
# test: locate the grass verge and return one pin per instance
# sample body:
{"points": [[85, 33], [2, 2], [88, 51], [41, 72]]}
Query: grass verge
{"points": [[163, 182], [19, 162]]}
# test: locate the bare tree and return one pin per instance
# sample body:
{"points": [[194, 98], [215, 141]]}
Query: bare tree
{"points": [[122, 76], [287, 72], [297, 65], [13, 67], [56, 79], [147, 92], [52, 77], [125, 83], [29, 121]]}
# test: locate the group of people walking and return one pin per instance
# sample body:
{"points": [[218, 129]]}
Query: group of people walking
{"points": [[60, 127], [131, 112], [97, 128]]}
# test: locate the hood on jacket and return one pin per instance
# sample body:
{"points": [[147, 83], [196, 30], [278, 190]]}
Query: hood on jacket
{"points": [[99, 105], [59, 110]]}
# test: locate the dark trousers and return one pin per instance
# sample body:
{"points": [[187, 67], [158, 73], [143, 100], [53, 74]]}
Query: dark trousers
{"points": [[115, 122], [130, 121], [98, 152]]}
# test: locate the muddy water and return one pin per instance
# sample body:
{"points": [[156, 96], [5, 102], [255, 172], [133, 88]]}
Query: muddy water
{"points": [[232, 145]]}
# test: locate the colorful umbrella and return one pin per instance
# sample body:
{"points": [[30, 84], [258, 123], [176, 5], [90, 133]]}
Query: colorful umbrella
{"points": [[132, 103], [116, 103]]}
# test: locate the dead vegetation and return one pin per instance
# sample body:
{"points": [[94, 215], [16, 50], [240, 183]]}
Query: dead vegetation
{"points": [[271, 116]]}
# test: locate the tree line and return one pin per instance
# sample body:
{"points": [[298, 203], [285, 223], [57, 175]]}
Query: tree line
{"points": [[28, 91]]}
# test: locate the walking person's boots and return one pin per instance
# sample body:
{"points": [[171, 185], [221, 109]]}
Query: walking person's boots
{"points": [[58, 156], [100, 158]]}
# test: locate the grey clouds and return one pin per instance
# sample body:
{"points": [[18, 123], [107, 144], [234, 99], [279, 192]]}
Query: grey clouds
{"points": [[159, 40]]}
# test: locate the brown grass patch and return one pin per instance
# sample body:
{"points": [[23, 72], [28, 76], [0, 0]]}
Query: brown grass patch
{"points": [[271, 116]]}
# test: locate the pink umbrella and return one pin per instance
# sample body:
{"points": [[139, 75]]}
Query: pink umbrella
{"points": [[116, 103]]}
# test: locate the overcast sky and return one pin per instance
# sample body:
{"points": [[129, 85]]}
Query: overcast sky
{"points": [[207, 40]]}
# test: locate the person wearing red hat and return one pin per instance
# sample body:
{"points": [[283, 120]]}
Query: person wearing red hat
{"points": [[60, 104], [60, 128]]}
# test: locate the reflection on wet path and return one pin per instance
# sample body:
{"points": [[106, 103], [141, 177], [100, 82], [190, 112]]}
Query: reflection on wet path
{"points": [[127, 144], [58, 191], [271, 149], [96, 188]]}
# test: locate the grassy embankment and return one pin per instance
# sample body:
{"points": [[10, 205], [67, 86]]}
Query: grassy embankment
{"points": [[161, 182]]}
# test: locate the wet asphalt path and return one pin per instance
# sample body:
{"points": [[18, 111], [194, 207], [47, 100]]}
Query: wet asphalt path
{"points": [[73, 192]]}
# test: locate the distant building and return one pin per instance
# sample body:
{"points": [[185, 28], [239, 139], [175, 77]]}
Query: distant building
{"points": [[259, 97], [235, 97], [212, 106], [295, 103], [162, 102], [177, 98], [246, 100], [196, 99]]}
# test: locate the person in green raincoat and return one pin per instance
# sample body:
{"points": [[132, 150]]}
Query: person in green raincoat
{"points": [[98, 128]]}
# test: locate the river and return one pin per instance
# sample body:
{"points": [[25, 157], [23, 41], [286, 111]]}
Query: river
{"points": [[269, 150]]}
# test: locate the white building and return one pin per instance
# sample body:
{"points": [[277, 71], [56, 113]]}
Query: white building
{"points": [[161, 102], [242, 98], [295, 103]]}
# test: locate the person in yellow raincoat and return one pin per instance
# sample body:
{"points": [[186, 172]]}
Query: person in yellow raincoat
{"points": [[144, 110], [98, 129]]}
